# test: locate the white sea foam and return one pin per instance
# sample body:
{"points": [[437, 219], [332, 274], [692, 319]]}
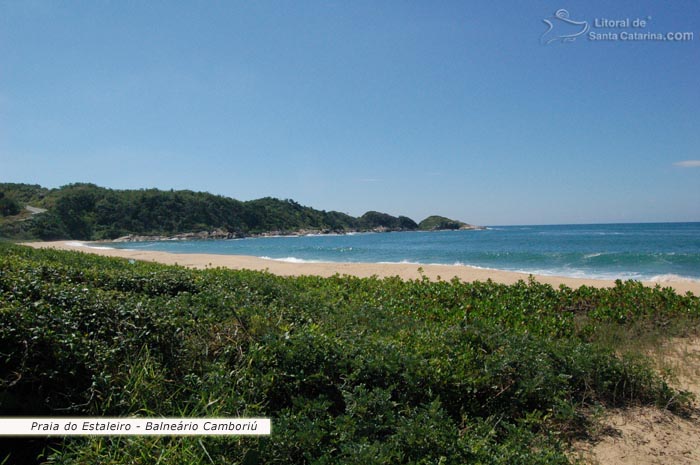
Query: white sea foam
{"points": [[88, 246], [100, 247], [665, 278], [292, 260], [457, 263], [474, 266], [580, 274], [462, 264], [402, 262]]}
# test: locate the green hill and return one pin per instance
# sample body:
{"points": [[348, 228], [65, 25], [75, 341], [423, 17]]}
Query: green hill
{"points": [[374, 220], [439, 223], [89, 212]]}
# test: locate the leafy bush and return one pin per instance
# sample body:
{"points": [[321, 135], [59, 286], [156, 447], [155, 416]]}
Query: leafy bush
{"points": [[8, 205], [350, 370]]}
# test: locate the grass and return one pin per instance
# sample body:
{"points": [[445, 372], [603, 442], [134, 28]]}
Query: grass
{"points": [[350, 370]]}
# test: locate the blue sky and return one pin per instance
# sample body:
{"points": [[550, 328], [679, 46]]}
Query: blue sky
{"points": [[412, 108]]}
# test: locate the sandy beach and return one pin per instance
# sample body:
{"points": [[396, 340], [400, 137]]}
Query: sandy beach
{"points": [[405, 271]]}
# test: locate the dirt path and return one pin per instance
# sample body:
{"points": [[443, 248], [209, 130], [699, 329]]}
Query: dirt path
{"points": [[647, 435], [35, 210]]}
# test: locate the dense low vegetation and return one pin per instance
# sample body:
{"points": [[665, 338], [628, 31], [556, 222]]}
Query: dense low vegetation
{"points": [[89, 212], [24, 193], [350, 370], [8, 206]]}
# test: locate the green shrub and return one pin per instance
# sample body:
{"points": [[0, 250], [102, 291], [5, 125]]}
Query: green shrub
{"points": [[350, 370]]}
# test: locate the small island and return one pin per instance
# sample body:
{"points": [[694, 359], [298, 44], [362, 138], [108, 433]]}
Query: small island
{"points": [[440, 223]]}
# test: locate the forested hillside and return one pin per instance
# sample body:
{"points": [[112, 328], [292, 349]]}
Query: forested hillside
{"points": [[90, 212]]}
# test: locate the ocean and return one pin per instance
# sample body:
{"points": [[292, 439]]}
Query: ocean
{"points": [[648, 251]]}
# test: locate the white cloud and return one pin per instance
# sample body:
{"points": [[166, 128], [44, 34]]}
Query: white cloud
{"points": [[688, 164]]}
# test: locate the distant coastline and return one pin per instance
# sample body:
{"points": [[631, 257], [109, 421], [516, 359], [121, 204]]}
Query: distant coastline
{"points": [[220, 234], [84, 211]]}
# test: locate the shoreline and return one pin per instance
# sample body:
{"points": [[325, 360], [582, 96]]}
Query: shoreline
{"points": [[363, 270], [218, 234]]}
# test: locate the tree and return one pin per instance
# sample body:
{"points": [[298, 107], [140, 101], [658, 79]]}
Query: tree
{"points": [[8, 206]]}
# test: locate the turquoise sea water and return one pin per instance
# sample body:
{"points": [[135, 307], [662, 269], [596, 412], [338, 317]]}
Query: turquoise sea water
{"points": [[658, 251]]}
